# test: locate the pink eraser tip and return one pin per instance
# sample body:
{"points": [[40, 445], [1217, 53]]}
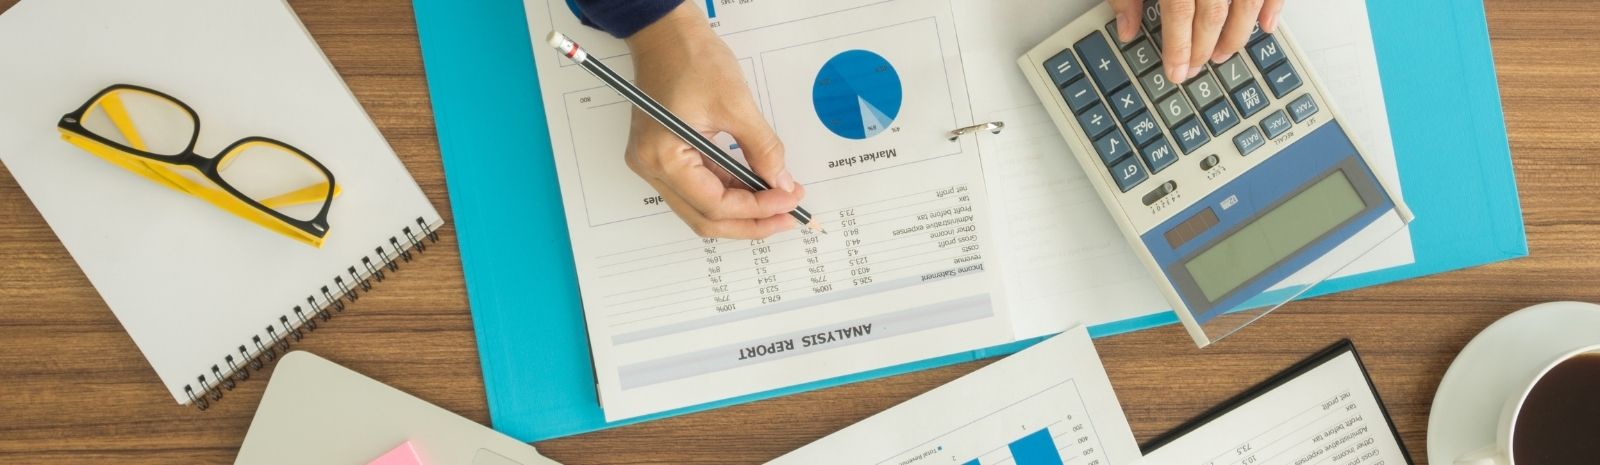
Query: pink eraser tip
{"points": [[402, 454]]}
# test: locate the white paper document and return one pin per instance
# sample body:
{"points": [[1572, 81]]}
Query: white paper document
{"points": [[1050, 404], [1325, 415]]}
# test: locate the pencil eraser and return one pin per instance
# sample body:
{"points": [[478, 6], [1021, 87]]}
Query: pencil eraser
{"points": [[403, 454], [556, 39]]}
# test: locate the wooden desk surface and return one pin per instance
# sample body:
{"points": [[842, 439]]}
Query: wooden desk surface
{"points": [[73, 388]]}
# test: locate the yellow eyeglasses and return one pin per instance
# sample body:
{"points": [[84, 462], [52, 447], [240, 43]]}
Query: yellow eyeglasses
{"points": [[152, 134]]}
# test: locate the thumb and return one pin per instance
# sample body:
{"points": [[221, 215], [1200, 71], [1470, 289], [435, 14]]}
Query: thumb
{"points": [[763, 150]]}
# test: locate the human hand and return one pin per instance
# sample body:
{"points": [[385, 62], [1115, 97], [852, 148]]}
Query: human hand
{"points": [[686, 67], [1194, 31]]}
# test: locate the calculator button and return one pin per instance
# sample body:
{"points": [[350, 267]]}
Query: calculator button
{"points": [[1190, 135], [1275, 124], [1283, 80], [1102, 62], [1111, 28], [1249, 140], [1128, 173], [1096, 121], [1250, 99], [1266, 52], [1220, 117], [1256, 34], [1112, 147], [1126, 102], [1303, 108], [1156, 85], [1159, 155], [1143, 128], [1142, 56], [1152, 15], [1063, 68], [1175, 109], [1234, 73], [1080, 95], [1204, 90]]}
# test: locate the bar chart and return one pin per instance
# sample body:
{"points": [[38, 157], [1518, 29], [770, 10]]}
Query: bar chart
{"points": [[1049, 427]]}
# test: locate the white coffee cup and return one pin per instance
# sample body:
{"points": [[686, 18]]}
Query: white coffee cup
{"points": [[1500, 453]]}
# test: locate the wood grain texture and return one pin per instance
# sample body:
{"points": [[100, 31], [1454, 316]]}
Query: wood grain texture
{"points": [[73, 388]]}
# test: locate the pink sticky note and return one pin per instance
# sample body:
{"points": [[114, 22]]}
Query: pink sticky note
{"points": [[402, 454]]}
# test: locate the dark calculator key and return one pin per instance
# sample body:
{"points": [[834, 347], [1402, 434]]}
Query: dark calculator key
{"points": [[1283, 80], [1275, 124], [1142, 56], [1063, 68], [1128, 173], [1159, 155], [1175, 109], [1249, 140], [1250, 100], [1204, 90], [1220, 117], [1156, 85], [1190, 135], [1143, 129], [1126, 102], [1267, 53], [1303, 108], [1102, 62], [1256, 34], [1112, 147], [1080, 95], [1152, 15], [1096, 121], [1234, 73]]}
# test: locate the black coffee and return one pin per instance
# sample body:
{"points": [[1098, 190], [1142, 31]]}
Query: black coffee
{"points": [[1560, 420]]}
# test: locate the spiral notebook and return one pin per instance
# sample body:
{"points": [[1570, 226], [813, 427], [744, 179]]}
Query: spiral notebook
{"points": [[207, 297]]}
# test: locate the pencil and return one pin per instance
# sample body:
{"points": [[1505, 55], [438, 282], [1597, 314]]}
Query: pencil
{"points": [[659, 113]]}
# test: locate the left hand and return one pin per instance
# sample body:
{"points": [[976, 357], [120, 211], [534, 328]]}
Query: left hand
{"points": [[1196, 31]]}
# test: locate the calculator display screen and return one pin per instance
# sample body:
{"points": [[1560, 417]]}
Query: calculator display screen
{"points": [[1275, 235]]}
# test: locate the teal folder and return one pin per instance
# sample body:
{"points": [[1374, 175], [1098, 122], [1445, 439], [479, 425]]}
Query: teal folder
{"points": [[1438, 79]]}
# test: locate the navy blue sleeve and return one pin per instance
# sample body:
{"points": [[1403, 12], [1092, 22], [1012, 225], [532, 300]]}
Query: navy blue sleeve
{"points": [[622, 18]]}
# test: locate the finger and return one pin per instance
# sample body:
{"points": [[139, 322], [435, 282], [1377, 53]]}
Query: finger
{"points": [[1128, 12], [1209, 16], [731, 229], [1177, 23], [1236, 31], [761, 146], [686, 173], [1269, 15]]}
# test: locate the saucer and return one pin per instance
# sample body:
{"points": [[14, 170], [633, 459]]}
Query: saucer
{"points": [[1498, 361]]}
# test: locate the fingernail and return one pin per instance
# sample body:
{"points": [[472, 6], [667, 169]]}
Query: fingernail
{"points": [[786, 181], [1271, 25], [1195, 71], [1122, 24], [1180, 73], [1219, 57]]}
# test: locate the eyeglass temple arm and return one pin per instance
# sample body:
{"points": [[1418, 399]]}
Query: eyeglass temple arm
{"points": [[310, 194], [119, 117]]}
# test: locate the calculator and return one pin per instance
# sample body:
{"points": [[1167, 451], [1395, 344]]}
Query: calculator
{"points": [[1239, 189]]}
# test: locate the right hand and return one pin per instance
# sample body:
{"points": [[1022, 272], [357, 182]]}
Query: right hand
{"points": [[686, 67], [1196, 31]]}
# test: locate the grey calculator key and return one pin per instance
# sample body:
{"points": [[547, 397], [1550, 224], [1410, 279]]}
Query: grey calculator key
{"points": [[1126, 102], [1234, 72], [1190, 135], [1142, 128], [1152, 15], [1175, 109], [1283, 79], [1102, 62], [1079, 95], [1111, 30], [1128, 173], [1249, 140], [1220, 117], [1156, 85], [1112, 147], [1096, 121], [1250, 99], [1142, 56], [1275, 124], [1063, 68], [1159, 155], [1204, 90], [1266, 52], [1303, 107]]}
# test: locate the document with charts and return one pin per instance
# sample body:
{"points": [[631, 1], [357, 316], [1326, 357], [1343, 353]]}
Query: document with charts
{"points": [[1048, 405]]}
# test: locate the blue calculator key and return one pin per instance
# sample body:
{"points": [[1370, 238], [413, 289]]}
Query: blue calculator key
{"points": [[1080, 95], [1112, 147], [1159, 155], [1302, 108], [1275, 124], [1143, 129], [1249, 140], [1250, 99], [1283, 80], [1126, 102], [1220, 117], [1190, 135], [1063, 68], [1128, 173], [1096, 121], [1256, 34], [1266, 52], [1102, 62]]}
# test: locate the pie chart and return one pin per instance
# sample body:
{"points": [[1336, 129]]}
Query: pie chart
{"points": [[857, 94]]}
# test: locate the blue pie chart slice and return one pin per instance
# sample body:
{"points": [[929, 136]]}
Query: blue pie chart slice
{"points": [[857, 94]]}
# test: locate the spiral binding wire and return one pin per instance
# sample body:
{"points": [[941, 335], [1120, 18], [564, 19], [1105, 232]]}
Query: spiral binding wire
{"points": [[267, 350]]}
